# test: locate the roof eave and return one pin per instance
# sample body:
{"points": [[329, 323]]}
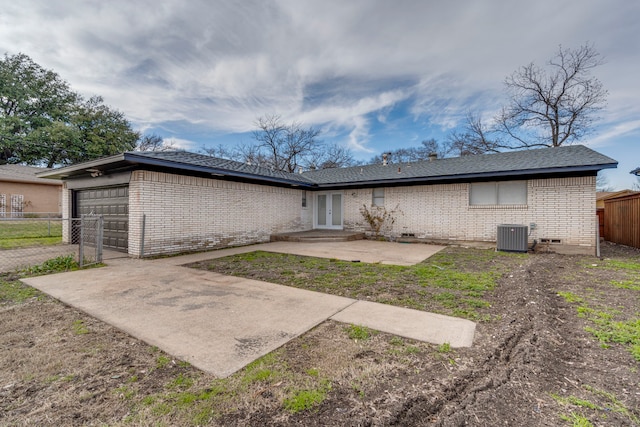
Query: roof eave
{"points": [[31, 181], [132, 157], [65, 171]]}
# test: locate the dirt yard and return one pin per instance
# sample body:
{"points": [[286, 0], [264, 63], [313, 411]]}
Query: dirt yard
{"points": [[557, 344]]}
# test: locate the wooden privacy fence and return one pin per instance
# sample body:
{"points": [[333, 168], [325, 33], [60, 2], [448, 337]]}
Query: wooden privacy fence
{"points": [[622, 220]]}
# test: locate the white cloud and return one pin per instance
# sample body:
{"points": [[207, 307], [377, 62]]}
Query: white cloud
{"points": [[219, 65], [181, 144]]}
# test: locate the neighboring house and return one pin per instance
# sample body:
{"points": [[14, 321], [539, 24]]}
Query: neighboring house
{"points": [[601, 196], [169, 202], [23, 193]]}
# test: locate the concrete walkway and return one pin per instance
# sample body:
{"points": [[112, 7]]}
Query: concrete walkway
{"points": [[220, 323]]}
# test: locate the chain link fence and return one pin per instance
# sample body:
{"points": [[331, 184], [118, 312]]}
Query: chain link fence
{"points": [[25, 242]]}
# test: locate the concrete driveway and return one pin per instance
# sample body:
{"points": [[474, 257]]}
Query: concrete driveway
{"points": [[220, 323]]}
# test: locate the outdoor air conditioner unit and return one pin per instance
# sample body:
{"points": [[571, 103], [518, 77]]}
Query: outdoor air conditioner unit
{"points": [[512, 238]]}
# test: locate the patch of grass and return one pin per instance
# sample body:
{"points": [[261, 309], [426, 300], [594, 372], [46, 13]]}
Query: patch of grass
{"points": [[15, 292], [613, 403], [265, 369], [570, 297], [609, 403], [22, 233], [395, 340], [453, 282], [79, 327], [356, 332], [444, 348], [577, 420], [412, 349], [633, 285], [180, 382], [313, 372], [162, 361], [303, 400], [604, 326], [125, 392]]}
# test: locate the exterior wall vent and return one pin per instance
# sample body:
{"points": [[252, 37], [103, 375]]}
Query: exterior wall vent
{"points": [[512, 238]]}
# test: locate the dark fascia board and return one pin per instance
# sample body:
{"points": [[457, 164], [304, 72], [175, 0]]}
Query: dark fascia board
{"points": [[74, 169], [134, 160], [484, 176], [131, 157], [636, 172]]}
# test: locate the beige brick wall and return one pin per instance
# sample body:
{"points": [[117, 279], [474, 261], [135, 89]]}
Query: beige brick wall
{"points": [[562, 208], [187, 213]]}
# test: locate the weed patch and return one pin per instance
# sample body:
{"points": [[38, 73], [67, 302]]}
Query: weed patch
{"points": [[54, 265], [303, 400], [361, 333]]}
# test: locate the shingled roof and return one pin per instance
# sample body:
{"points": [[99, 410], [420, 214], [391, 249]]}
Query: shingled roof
{"points": [[548, 161], [21, 173], [576, 158], [214, 163]]}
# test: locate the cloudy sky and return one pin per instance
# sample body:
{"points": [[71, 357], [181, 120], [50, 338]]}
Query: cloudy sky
{"points": [[372, 75]]}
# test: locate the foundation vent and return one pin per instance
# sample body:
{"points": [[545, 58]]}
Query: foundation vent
{"points": [[512, 238]]}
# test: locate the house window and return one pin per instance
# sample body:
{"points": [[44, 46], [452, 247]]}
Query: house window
{"points": [[304, 199], [3, 204], [378, 197], [498, 193], [17, 205]]}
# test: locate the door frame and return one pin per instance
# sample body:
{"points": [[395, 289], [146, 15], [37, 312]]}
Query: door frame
{"points": [[329, 216]]}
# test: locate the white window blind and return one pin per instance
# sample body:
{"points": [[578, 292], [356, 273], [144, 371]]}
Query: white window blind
{"points": [[498, 193], [378, 197]]}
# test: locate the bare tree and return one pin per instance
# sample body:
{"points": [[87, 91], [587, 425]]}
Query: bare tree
{"points": [[284, 146], [414, 154], [475, 137], [602, 182], [554, 106], [221, 151], [331, 156], [154, 142]]}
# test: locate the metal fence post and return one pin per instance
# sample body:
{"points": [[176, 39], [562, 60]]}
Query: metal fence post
{"points": [[81, 245], [99, 234], [144, 220]]}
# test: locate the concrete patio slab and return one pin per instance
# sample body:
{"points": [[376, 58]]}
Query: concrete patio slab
{"points": [[358, 250], [217, 323], [408, 323], [221, 323]]}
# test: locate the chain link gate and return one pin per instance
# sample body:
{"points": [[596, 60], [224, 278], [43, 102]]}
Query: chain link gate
{"points": [[88, 232]]}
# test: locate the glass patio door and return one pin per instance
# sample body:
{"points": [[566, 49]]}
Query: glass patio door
{"points": [[329, 210]]}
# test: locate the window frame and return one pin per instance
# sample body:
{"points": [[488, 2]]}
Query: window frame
{"points": [[377, 200], [503, 193]]}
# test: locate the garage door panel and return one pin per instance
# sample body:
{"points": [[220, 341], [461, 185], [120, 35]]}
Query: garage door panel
{"points": [[113, 204]]}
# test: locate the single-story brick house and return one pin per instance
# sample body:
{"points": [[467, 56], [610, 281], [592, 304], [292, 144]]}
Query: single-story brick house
{"points": [[23, 193], [169, 202]]}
